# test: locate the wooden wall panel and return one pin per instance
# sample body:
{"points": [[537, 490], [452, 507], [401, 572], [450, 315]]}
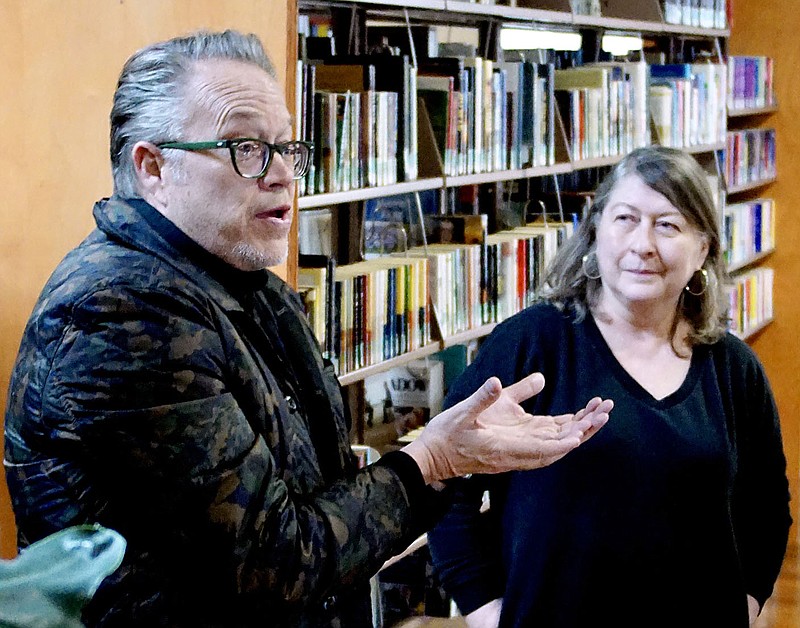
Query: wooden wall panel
{"points": [[60, 63], [770, 28]]}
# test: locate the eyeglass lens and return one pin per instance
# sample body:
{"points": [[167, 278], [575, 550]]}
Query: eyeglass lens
{"points": [[252, 158]]}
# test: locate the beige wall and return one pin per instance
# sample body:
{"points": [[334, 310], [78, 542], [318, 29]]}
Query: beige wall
{"points": [[59, 62], [770, 28]]}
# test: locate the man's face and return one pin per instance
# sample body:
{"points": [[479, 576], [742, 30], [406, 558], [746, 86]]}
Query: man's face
{"points": [[245, 222]]}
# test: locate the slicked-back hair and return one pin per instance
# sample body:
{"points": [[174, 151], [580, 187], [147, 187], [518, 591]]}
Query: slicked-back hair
{"points": [[149, 99], [681, 180]]}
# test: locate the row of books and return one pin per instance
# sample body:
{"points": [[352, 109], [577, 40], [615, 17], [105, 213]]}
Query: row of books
{"points": [[374, 310], [485, 116], [749, 156], [748, 229], [702, 13], [603, 107], [361, 113], [479, 284], [520, 257], [751, 300], [750, 82], [687, 103], [489, 116], [367, 312]]}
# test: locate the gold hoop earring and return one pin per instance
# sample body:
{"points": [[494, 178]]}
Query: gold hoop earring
{"points": [[703, 274], [585, 264]]}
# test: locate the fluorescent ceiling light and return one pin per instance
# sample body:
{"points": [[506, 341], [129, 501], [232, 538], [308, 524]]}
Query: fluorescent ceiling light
{"points": [[621, 45], [530, 39]]}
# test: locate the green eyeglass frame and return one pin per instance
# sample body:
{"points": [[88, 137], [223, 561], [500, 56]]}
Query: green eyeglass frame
{"points": [[300, 151]]}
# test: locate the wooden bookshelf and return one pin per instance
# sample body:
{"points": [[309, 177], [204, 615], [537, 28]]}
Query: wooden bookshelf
{"points": [[387, 365], [542, 16], [751, 185], [746, 124], [362, 194], [752, 111], [508, 175], [632, 16], [752, 332], [468, 335], [614, 23], [449, 10], [750, 261], [596, 162], [704, 148], [680, 29]]}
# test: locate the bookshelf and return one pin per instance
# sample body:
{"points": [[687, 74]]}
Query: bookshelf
{"points": [[436, 163], [467, 124], [386, 365], [363, 194], [749, 216]]}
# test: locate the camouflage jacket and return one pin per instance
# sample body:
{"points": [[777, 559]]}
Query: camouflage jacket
{"points": [[185, 404]]}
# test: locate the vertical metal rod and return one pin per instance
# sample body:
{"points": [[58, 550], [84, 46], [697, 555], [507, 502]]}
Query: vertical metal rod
{"points": [[421, 218], [410, 38]]}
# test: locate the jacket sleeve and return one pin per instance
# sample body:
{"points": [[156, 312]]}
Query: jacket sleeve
{"points": [[141, 390], [761, 498]]}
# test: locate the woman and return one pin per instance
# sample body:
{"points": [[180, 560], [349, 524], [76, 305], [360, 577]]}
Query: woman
{"points": [[676, 513]]}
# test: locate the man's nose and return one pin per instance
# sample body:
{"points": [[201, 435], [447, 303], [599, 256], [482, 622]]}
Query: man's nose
{"points": [[280, 173]]}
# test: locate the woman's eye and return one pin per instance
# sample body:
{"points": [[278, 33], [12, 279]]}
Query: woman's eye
{"points": [[668, 226]]}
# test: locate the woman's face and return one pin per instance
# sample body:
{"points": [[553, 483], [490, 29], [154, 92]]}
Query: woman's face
{"points": [[646, 249]]}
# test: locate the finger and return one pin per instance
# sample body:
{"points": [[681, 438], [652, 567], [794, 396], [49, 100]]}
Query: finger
{"points": [[602, 419], [595, 406], [482, 398], [592, 406], [526, 388], [545, 449], [587, 427]]}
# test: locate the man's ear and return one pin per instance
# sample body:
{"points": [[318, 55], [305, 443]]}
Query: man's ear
{"points": [[147, 164]]}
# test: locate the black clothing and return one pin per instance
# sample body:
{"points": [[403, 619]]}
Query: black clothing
{"points": [[184, 403], [669, 516]]}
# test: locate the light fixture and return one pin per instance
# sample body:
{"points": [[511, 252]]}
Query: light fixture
{"points": [[534, 39], [621, 45]]}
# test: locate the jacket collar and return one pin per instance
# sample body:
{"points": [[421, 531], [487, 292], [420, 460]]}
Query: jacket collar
{"points": [[140, 226]]}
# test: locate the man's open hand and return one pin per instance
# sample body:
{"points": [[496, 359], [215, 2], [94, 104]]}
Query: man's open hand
{"points": [[489, 432]]}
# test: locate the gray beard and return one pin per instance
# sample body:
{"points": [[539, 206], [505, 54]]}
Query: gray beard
{"points": [[245, 257]]}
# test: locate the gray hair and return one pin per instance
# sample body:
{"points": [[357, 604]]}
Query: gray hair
{"points": [[149, 99], [682, 181]]}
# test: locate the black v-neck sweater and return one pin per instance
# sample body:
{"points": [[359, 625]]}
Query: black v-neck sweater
{"points": [[669, 516]]}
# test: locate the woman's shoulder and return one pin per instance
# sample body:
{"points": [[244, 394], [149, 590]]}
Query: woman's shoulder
{"points": [[542, 317], [736, 356], [538, 328]]}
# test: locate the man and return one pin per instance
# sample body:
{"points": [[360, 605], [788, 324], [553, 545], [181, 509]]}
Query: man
{"points": [[168, 386]]}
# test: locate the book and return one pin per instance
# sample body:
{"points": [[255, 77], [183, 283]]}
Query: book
{"points": [[315, 231], [403, 399], [438, 94], [318, 274], [395, 74]]}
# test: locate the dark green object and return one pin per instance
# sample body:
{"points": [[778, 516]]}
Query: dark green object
{"points": [[49, 583], [242, 147]]}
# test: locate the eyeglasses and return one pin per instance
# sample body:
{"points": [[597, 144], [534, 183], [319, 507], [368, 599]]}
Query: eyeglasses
{"points": [[251, 158]]}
